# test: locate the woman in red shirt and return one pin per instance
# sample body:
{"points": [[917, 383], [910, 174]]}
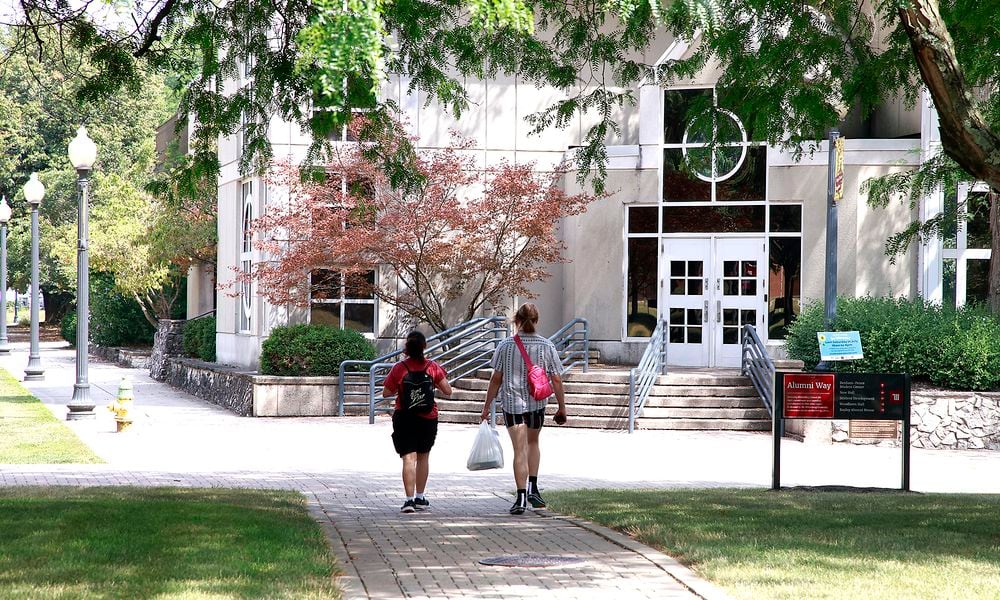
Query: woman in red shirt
{"points": [[415, 429]]}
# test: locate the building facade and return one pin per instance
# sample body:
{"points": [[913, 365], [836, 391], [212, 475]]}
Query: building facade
{"points": [[708, 237]]}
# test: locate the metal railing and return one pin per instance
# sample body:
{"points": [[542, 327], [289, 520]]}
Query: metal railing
{"points": [[573, 344], [642, 378], [758, 366], [461, 350]]}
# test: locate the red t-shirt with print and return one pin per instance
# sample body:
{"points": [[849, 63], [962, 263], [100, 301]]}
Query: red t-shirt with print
{"points": [[394, 380]]}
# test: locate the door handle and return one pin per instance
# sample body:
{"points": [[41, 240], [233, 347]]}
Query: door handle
{"points": [[705, 313], [718, 311]]}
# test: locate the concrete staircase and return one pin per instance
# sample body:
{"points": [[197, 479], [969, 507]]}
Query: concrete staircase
{"points": [[692, 400]]}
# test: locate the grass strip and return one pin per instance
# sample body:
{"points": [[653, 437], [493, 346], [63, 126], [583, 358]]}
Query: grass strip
{"points": [[808, 544], [174, 543], [30, 434]]}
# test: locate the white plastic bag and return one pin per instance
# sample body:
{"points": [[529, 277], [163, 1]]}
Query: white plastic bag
{"points": [[486, 451]]}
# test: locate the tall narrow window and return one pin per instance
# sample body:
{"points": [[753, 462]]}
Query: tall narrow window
{"points": [[246, 257], [642, 275], [966, 247], [784, 269]]}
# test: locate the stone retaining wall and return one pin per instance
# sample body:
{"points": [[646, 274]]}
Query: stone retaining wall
{"points": [[133, 358], [228, 387], [944, 419], [251, 395]]}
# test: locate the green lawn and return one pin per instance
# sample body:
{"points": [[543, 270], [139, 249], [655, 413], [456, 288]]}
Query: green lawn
{"points": [[163, 543], [29, 434], [807, 544]]}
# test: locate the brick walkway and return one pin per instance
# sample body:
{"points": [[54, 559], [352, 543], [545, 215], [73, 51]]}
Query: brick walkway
{"points": [[350, 474]]}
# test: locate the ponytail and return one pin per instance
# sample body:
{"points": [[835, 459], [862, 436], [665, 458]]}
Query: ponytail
{"points": [[415, 344], [526, 318]]}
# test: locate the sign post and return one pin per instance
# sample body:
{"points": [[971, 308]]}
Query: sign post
{"points": [[834, 193], [871, 396]]}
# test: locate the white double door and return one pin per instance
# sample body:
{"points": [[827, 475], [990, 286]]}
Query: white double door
{"points": [[711, 288]]}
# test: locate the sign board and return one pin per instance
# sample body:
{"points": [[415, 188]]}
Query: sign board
{"points": [[873, 430], [807, 395], [872, 397], [838, 173], [839, 345]]}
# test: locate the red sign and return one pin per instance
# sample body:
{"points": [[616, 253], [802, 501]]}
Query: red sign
{"points": [[808, 395]]}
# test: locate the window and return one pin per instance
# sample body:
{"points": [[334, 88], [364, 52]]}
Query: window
{"points": [[707, 156], [246, 257], [343, 300], [785, 268], [966, 246], [642, 274]]}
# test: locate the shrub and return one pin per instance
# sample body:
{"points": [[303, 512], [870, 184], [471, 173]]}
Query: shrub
{"points": [[312, 350], [199, 338], [67, 327], [957, 349], [115, 320]]}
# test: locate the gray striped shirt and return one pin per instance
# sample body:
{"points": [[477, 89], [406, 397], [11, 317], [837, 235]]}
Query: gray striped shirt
{"points": [[513, 396]]}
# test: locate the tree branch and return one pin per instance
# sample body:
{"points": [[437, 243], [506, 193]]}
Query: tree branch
{"points": [[153, 33], [965, 136]]}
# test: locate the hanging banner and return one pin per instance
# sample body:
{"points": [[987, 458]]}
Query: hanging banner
{"points": [[838, 174]]}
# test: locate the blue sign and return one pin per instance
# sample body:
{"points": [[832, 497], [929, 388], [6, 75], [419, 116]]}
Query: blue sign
{"points": [[839, 345]]}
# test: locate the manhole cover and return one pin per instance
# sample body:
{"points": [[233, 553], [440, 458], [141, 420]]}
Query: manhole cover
{"points": [[529, 560]]}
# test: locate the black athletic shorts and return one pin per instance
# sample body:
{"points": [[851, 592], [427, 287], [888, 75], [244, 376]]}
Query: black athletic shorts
{"points": [[533, 419], [412, 433]]}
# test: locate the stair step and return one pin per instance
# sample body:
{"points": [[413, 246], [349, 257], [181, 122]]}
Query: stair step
{"points": [[700, 390], [703, 401], [574, 421], [703, 424], [705, 413]]}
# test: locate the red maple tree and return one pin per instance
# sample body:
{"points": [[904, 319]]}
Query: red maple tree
{"points": [[458, 239]]}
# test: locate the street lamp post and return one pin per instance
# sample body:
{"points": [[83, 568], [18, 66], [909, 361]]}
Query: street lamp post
{"points": [[4, 218], [34, 191], [82, 153]]}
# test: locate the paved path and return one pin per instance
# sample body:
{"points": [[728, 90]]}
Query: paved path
{"points": [[348, 470]]}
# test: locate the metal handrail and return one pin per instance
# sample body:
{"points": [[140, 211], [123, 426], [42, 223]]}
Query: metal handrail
{"points": [[758, 366], [642, 378], [461, 350], [572, 342]]}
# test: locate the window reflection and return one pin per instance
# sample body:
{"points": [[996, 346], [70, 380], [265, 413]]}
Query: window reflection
{"points": [[783, 294], [642, 279]]}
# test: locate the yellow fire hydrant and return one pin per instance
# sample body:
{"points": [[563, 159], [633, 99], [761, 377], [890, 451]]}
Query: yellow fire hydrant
{"points": [[122, 405]]}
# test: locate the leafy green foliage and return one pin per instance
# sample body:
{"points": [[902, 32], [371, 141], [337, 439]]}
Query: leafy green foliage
{"points": [[199, 338], [67, 327], [955, 349], [115, 319], [298, 350]]}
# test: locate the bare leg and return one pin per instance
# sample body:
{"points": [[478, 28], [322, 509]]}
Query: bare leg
{"points": [[423, 467], [518, 439], [534, 452], [409, 473]]}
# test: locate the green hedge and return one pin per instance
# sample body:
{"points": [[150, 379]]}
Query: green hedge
{"points": [[115, 320], [957, 349], [312, 350], [67, 327], [199, 338]]}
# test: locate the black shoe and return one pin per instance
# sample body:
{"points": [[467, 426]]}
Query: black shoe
{"points": [[517, 509], [421, 503], [408, 507], [536, 500]]}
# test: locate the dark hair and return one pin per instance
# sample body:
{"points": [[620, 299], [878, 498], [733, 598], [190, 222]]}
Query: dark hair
{"points": [[526, 317], [415, 344]]}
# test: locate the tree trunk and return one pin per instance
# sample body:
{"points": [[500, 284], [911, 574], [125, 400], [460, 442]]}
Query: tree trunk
{"points": [[57, 304], [993, 298], [965, 136]]}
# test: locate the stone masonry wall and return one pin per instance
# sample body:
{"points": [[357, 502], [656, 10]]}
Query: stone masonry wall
{"points": [[946, 420], [228, 387], [168, 342]]}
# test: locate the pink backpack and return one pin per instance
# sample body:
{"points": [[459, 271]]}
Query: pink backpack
{"points": [[538, 379]]}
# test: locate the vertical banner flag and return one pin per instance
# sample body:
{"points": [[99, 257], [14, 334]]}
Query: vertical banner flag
{"points": [[838, 178]]}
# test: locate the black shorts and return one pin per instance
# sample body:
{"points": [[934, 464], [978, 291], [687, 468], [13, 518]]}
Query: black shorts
{"points": [[533, 419], [412, 433]]}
